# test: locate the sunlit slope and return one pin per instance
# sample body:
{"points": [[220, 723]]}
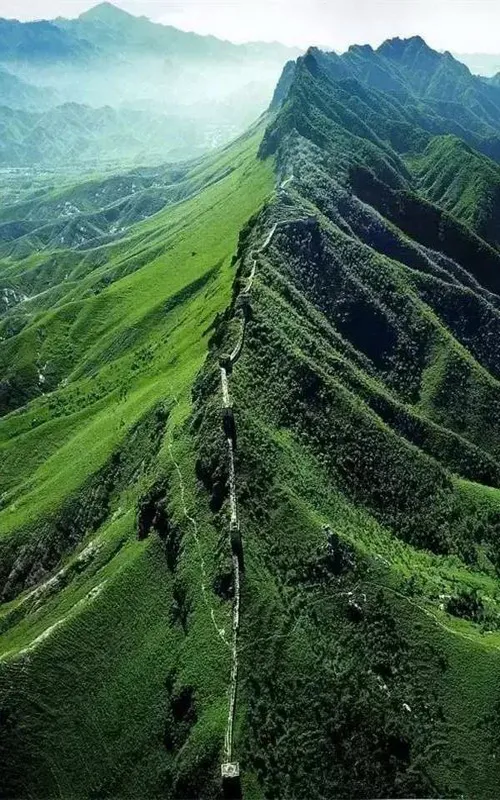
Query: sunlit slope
{"points": [[114, 352], [93, 644], [366, 407], [355, 480], [463, 182]]}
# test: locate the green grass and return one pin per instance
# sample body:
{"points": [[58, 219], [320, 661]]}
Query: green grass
{"points": [[463, 182], [163, 359], [100, 724], [368, 487]]}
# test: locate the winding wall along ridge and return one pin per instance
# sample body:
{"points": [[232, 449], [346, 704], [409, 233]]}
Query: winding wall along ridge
{"points": [[231, 769]]}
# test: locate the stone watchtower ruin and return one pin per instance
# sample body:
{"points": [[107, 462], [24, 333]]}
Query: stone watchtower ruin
{"points": [[231, 784]]}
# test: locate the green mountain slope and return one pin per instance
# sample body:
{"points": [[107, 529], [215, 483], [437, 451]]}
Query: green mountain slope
{"points": [[251, 447], [407, 93], [127, 339], [464, 183]]}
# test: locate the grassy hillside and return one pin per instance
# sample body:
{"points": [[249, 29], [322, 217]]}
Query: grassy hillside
{"points": [[260, 428], [122, 346], [463, 182]]}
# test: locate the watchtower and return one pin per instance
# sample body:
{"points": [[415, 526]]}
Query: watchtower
{"points": [[245, 304], [237, 543], [231, 784], [226, 363], [229, 424]]}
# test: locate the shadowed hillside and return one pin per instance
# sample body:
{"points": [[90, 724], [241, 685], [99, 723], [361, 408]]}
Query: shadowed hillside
{"points": [[251, 512]]}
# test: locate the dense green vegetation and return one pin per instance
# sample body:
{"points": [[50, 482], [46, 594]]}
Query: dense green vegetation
{"points": [[126, 336], [463, 182], [366, 403]]}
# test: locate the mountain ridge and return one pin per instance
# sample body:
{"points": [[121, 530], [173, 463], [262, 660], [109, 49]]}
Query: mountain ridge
{"points": [[65, 36], [207, 90], [250, 526]]}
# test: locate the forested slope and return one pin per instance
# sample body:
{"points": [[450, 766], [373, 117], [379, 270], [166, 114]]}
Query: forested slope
{"points": [[342, 305]]}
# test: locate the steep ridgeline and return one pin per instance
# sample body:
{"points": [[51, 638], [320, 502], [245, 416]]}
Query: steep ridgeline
{"points": [[252, 507], [366, 449]]}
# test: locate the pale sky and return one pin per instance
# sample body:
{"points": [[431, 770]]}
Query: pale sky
{"points": [[458, 25]]}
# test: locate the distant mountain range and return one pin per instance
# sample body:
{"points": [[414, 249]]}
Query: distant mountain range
{"points": [[109, 29], [106, 30], [19, 94], [205, 90]]}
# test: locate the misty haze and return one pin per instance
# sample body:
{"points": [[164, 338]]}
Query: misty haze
{"points": [[109, 87]]}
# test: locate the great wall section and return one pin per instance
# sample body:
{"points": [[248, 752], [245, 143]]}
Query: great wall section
{"points": [[230, 768]]}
